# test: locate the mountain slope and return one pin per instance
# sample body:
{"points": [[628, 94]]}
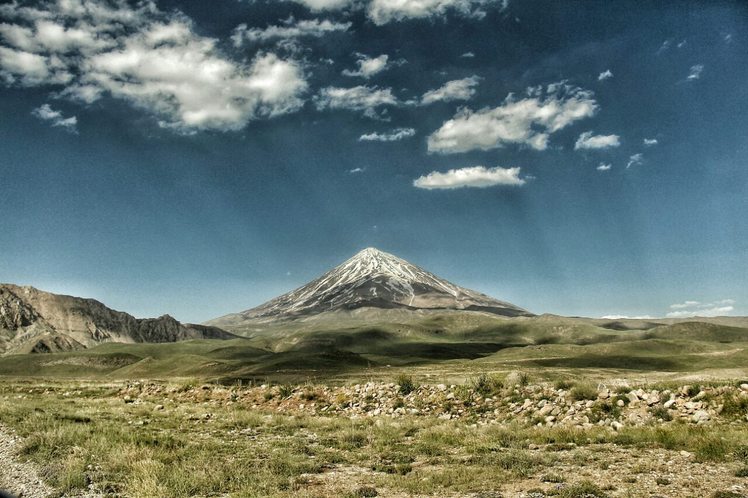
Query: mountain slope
{"points": [[373, 279], [36, 321]]}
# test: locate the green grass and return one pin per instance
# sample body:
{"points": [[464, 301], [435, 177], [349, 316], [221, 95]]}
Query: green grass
{"points": [[196, 446], [460, 345]]}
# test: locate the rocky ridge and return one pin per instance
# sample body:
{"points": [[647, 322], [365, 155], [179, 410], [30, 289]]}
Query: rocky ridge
{"points": [[34, 321], [537, 404]]}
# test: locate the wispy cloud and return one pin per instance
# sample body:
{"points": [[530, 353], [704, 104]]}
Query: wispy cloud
{"points": [[368, 66], [528, 121], [360, 98], [589, 141], [356, 170], [604, 167], [321, 5], [392, 136], [627, 317], [695, 72], [688, 309], [605, 75], [635, 160], [475, 176], [664, 47], [463, 89], [468, 55], [56, 118], [649, 142], [385, 11], [290, 28]]}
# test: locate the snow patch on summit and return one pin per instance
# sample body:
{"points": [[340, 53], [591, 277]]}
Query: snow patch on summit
{"points": [[373, 278]]}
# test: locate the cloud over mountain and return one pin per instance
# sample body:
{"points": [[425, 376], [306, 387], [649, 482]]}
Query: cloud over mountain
{"points": [[588, 140], [290, 28], [392, 136], [359, 98], [463, 89], [528, 121], [56, 118], [152, 59], [368, 66], [474, 176]]}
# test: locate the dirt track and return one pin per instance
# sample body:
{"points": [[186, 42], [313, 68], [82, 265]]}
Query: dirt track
{"points": [[16, 476]]}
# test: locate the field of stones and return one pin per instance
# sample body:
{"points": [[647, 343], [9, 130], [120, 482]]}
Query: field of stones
{"points": [[491, 436]]}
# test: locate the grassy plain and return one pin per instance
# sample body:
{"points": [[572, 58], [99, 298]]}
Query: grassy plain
{"points": [[84, 435]]}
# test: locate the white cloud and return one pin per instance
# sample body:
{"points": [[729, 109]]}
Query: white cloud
{"points": [[683, 305], [664, 47], [320, 5], [607, 74], [19, 37], [88, 48], [462, 89], [475, 176], [695, 72], [392, 136], [368, 66], [627, 317], [356, 170], [23, 67], [56, 118], [359, 98], [384, 11], [290, 28], [589, 141], [648, 142], [468, 55], [635, 160], [604, 167], [528, 121], [690, 309]]}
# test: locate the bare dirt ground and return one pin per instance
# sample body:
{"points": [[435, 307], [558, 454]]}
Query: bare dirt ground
{"points": [[621, 472], [17, 476]]}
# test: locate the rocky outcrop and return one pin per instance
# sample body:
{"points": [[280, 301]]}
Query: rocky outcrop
{"points": [[34, 321], [540, 404]]}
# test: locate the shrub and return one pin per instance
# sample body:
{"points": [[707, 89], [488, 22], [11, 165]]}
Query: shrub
{"points": [[742, 472], [563, 384], [485, 384], [601, 411], [583, 392], [735, 406], [285, 390], [660, 412], [406, 383], [584, 489]]}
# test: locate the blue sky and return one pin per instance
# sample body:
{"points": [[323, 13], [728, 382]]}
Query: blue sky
{"points": [[198, 158]]}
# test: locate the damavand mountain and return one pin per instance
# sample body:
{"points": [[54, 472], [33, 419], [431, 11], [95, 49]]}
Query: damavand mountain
{"points": [[372, 286], [377, 280]]}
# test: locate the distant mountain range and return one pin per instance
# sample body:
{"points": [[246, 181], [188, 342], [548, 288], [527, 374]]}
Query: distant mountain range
{"points": [[372, 279], [372, 304], [34, 321]]}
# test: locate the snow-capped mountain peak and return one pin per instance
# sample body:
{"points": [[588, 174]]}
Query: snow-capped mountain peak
{"points": [[374, 278]]}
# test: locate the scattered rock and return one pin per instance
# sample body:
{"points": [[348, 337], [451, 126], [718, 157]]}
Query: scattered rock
{"points": [[700, 417]]}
